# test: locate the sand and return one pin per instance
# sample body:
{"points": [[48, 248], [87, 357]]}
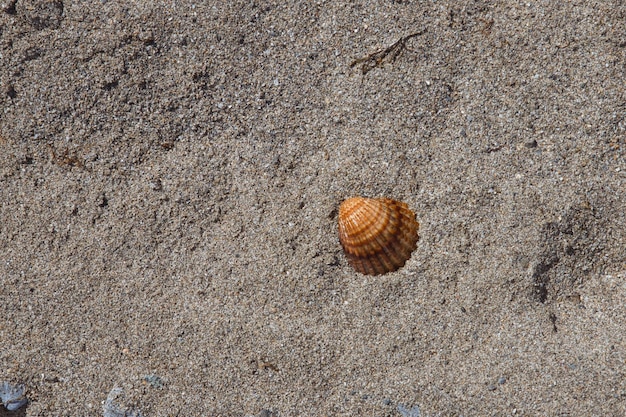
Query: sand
{"points": [[170, 174]]}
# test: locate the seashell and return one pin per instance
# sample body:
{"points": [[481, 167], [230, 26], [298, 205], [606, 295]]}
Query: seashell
{"points": [[115, 405], [377, 235], [12, 396]]}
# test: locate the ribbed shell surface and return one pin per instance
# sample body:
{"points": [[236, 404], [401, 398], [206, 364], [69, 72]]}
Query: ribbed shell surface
{"points": [[377, 235]]}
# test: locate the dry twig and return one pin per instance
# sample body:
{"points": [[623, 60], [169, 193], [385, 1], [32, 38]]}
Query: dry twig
{"points": [[389, 54]]}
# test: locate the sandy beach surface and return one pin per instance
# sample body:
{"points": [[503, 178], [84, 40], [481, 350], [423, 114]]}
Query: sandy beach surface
{"points": [[170, 176]]}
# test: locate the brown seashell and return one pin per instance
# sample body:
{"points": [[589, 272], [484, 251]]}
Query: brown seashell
{"points": [[377, 235]]}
